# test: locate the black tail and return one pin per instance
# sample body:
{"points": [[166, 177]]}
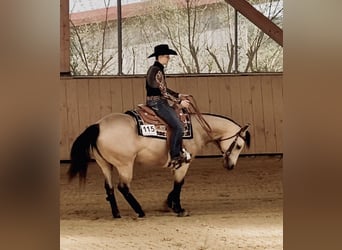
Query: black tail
{"points": [[80, 152]]}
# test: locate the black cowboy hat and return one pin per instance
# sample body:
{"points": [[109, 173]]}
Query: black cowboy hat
{"points": [[162, 49]]}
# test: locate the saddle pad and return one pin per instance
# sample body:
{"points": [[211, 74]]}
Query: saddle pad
{"points": [[159, 130]]}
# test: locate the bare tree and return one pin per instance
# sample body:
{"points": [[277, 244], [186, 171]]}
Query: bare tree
{"points": [[202, 34], [256, 40], [87, 44], [226, 62], [185, 25], [182, 24]]}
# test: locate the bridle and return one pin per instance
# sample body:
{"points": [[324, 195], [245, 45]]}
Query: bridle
{"points": [[236, 135]]}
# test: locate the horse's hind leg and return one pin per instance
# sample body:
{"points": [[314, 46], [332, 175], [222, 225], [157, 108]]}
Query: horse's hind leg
{"points": [[107, 170], [112, 201], [123, 188], [126, 174]]}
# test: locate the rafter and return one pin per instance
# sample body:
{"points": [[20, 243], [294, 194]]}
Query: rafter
{"points": [[256, 17]]}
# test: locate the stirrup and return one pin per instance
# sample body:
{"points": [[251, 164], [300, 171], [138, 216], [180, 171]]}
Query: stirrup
{"points": [[176, 163], [186, 155]]}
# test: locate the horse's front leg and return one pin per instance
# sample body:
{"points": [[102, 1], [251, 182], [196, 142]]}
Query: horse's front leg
{"points": [[173, 199]]}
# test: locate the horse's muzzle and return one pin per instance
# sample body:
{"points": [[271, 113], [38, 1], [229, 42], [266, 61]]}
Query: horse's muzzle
{"points": [[227, 164], [230, 167]]}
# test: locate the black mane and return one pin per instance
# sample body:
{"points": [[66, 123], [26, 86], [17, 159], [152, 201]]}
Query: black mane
{"points": [[248, 135], [224, 117]]}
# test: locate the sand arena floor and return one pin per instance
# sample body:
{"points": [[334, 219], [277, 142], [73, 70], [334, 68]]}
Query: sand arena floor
{"points": [[239, 209]]}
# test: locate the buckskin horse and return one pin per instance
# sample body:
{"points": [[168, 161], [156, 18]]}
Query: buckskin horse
{"points": [[114, 142]]}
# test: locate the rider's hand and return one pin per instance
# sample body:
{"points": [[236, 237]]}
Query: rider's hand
{"points": [[183, 96], [185, 103]]}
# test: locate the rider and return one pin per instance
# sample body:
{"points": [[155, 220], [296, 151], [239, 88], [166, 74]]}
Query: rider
{"points": [[158, 95]]}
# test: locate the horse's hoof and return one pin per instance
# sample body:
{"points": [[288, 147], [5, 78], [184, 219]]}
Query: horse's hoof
{"points": [[141, 215], [116, 216], [183, 213], [166, 207]]}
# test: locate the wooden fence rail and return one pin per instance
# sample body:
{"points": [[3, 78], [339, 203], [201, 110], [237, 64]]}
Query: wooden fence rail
{"points": [[254, 99]]}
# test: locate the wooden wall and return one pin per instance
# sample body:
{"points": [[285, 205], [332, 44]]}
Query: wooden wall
{"points": [[254, 99]]}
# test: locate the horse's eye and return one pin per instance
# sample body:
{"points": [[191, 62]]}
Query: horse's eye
{"points": [[238, 146]]}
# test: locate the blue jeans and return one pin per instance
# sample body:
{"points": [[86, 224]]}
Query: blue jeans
{"points": [[168, 114]]}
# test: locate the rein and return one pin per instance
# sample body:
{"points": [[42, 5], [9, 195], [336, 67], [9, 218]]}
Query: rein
{"points": [[206, 127], [204, 124]]}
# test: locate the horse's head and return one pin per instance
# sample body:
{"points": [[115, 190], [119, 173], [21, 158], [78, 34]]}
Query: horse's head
{"points": [[232, 146]]}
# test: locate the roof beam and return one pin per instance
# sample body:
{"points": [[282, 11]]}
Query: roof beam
{"points": [[256, 17]]}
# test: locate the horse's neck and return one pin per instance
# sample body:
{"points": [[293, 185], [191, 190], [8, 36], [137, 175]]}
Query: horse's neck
{"points": [[219, 127]]}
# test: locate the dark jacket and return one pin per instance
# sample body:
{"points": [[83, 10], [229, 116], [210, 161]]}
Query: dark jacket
{"points": [[156, 84]]}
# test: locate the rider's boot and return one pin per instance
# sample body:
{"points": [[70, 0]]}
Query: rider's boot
{"points": [[176, 162], [186, 155]]}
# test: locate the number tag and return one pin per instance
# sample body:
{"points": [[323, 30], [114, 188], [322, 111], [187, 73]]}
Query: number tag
{"points": [[148, 129]]}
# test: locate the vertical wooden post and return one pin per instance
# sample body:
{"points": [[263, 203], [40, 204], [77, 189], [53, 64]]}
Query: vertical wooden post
{"points": [[236, 45], [64, 38], [119, 21]]}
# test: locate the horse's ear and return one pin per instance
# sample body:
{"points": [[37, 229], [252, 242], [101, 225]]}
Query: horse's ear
{"points": [[246, 135], [244, 129]]}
